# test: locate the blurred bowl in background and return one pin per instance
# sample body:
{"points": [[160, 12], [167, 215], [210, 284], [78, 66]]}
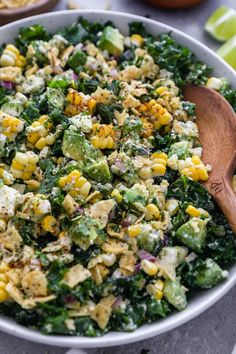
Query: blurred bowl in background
{"points": [[8, 15], [174, 4]]}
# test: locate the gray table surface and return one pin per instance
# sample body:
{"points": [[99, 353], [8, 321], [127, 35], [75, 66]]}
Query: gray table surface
{"points": [[213, 332]]}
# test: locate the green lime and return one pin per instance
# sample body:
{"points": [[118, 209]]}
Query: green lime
{"points": [[222, 24], [228, 52]]}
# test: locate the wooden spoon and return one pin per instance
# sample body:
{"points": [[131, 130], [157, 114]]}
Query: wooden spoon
{"points": [[216, 122]]}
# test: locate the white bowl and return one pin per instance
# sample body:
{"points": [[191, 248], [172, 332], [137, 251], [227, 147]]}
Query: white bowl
{"points": [[202, 301]]}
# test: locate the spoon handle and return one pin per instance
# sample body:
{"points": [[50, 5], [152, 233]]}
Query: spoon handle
{"points": [[220, 187]]}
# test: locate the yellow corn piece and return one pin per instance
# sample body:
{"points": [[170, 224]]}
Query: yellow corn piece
{"points": [[137, 40], [12, 57], [149, 267], [103, 136], [156, 289], [49, 224], [152, 212], [158, 170], [116, 194], [192, 211], [10, 126], [75, 184], [24, 164], [134, 230], [39, 133]]}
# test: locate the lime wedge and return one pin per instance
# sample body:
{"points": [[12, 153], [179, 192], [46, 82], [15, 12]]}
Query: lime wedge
{"points": [[221, 25], [228, 52]]}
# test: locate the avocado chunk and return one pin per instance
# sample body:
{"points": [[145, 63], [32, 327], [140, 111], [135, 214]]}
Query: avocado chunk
{"points": [[99, 171], [84, 231], [174, 293], [208, 274], [180, 149], [76, 60], [192, 234], [112, 41], [76, 147]]}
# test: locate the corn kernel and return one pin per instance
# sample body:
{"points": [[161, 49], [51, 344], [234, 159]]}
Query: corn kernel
{"points": [[172, 205], [41, 143], [158, 170], [3, 295], [108, 259], [145, 173], [165, 119], [137, 40], [116, 194], [190, 172], [159, 155], [192, 211], [152, 212], [134, 230], [49, 223], [91, 105], [202, 173], [149, 267], [161, 89], [196, 160], [95, 141], [17, 165], [156, 289]]}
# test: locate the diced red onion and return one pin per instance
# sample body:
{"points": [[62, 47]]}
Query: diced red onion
{"points": [[69, 299], [165, 240], [74, 76], [6, 84], [126, 222], [120, 165], [118, 302], [114, 73], [137, 267], [145, 255]]}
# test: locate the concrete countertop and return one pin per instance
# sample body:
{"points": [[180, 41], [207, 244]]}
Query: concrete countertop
{"points": [[213, 332]]}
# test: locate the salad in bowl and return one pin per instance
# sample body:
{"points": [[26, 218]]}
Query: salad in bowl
{"points": [[104, 223]]}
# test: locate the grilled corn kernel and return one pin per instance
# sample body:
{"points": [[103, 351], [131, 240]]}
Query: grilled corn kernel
{"points": [[108, 259], [137, 40], [159, 155], [192, 211], [145, 173], [196, 160], [152, 212], [165, 119], [116, 194], [33, 185], [75, 184], [161, 90], [10, 126], [49, 223], [202, 173], [103, 136], [149, 267], [24, 164], [3, 295], [158, 170], [172, 205], [156, 289], [74, 97], [91, 105], [134, 230], [12, 57]]}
